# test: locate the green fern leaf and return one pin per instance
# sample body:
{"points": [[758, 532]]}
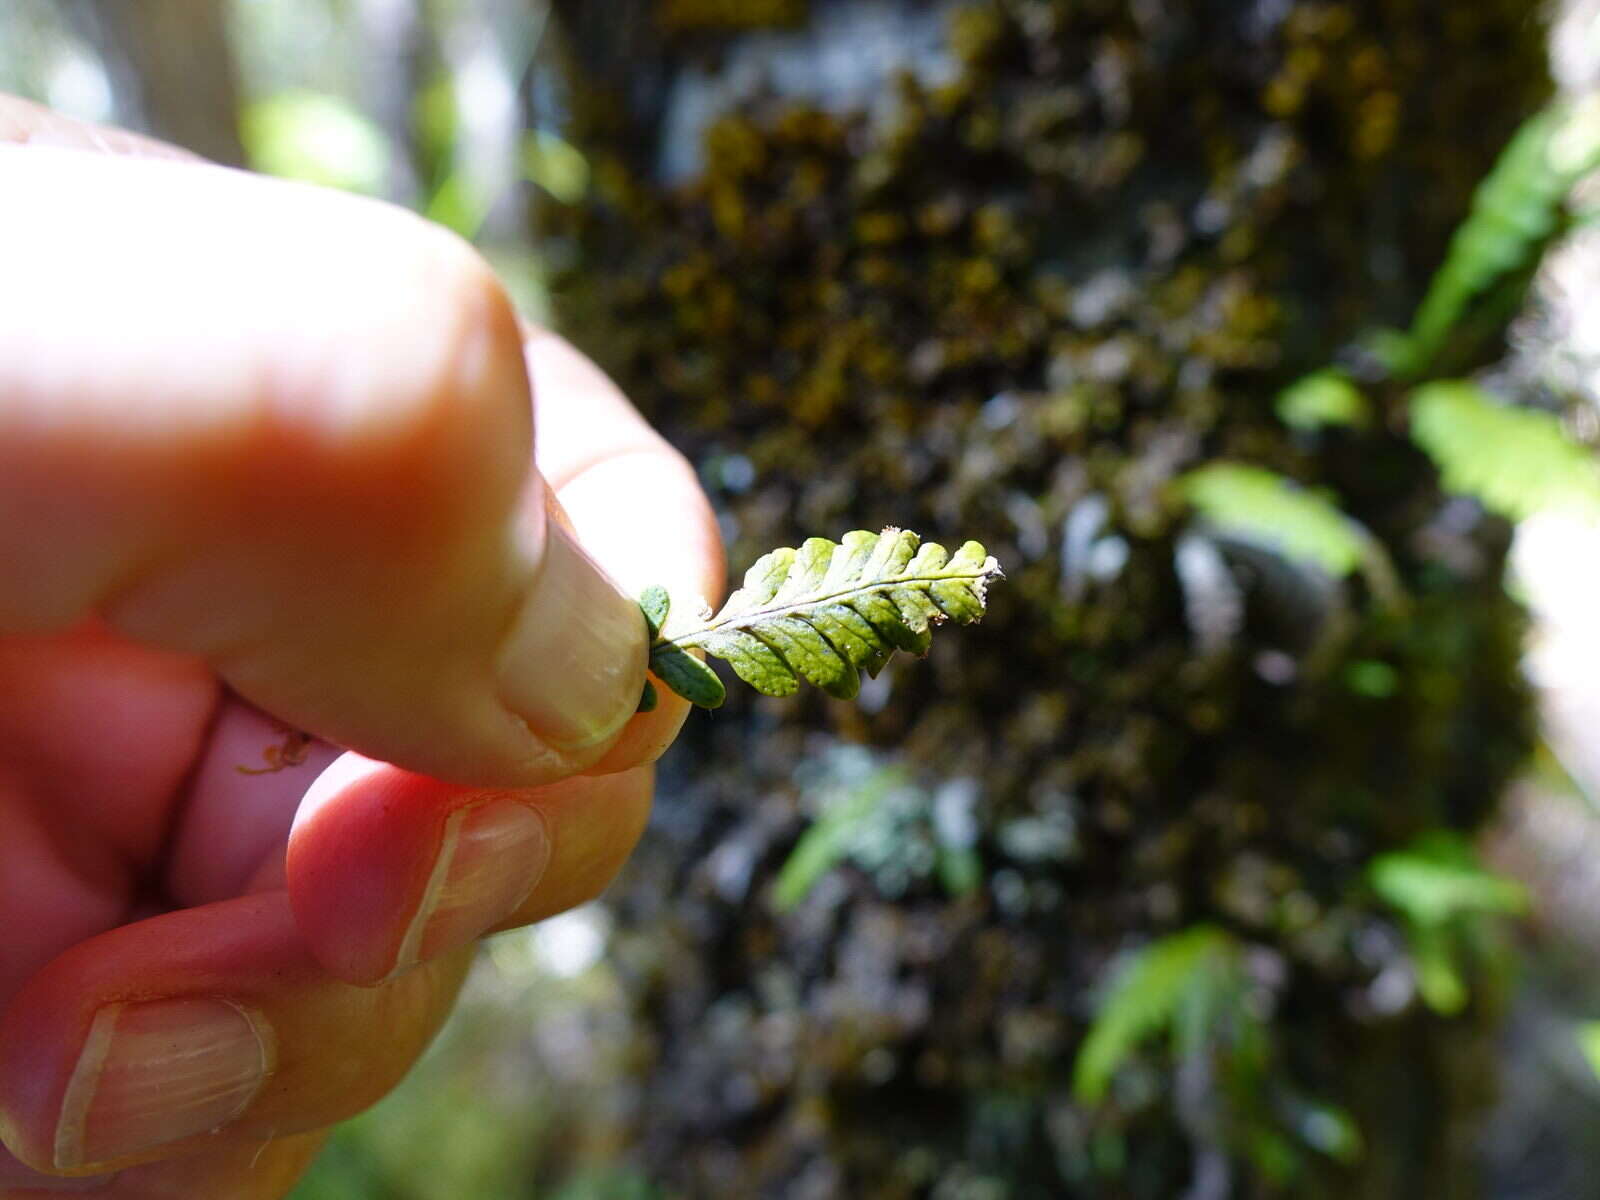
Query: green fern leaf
{"points": [[1516, 212], [656, 605], [827, 842], [1258, 505], [825, 613], [1436, 884], [1438, 878], [1180, 974], [1514, 461]]}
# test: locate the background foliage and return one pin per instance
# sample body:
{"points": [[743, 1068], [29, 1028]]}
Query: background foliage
{"points": [[1033, 293], [1162, 881]]}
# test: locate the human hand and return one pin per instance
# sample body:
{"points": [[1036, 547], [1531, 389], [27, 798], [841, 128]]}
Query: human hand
{"points": [[266, 450]]}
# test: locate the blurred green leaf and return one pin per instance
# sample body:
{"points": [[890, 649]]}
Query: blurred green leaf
{"points": [[1516, 211], [435, 116], [827, 842], [1439, 878], [1258, 505], [1372, 678], [1436, 884], [1322, 399], [608, 1183], [459, 203], [1331, 1130], [960, 869], [1588, 1036], [1439, 979], [1274, 1155], [555, 165], [1514, 461], [316, 137], [1182, 972]]}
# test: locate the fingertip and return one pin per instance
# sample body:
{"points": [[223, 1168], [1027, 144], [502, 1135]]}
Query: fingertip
{"points": [[359, 858], [595, 823], [573, 663], [386, 869], [647, 737]]}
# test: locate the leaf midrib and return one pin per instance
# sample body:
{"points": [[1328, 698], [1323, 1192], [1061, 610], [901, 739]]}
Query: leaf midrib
{"points": [[799, 606]]}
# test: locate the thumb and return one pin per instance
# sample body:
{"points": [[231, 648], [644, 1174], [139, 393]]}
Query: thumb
{"points": [[289, 431]]}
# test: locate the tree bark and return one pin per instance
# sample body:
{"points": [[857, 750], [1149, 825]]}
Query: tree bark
{"points": [[172, 68]]}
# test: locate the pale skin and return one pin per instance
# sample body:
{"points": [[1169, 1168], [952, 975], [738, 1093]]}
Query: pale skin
{"points": [[272, 460]]}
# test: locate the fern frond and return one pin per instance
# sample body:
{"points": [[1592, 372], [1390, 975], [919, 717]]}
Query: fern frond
{"points": [[1437, 884], [1259, 505], [1438, 877], [827, 842], [1150, 995], [1515, 213], [825, 612], [1514, 461]]}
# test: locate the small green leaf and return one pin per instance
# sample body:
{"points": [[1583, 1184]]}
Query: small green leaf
{"points": [[960, 870], [1514, 461], [1181, 972], [317, 137], [826, 613], [849, 633], [687, 675], [1588, 1035], [753, 661], [800, 644], [648, 699], [656, 604], [1436, 884], [1257, 504], [762, 581], [1322, 399], [807, 571], [1331, 1130], [1516, 212], [821, 848], [855, 548], [1438, 878]]}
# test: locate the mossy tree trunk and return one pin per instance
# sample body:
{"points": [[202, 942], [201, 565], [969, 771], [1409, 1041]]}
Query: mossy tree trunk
{"points": [[1010, 289]]}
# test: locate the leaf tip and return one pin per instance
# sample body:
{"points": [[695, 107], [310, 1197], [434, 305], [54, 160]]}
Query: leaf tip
{"points": [[655, 603]]}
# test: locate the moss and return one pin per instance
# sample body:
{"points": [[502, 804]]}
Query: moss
{"points": [[1085, 265], [678, 16]]}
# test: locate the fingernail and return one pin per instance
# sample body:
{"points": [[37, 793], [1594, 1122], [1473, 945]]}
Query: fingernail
{"points": [[16, 1177], [159, 1071], [492, 855], [574, 662]]}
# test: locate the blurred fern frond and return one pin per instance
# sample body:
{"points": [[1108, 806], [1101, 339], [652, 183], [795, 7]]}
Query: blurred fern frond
{"points": [[1321, 399], [827, 842], [1516, 212], [1440, 890], [1514, 461], [1439, 878], [1174, 983], [1261, 506]]}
